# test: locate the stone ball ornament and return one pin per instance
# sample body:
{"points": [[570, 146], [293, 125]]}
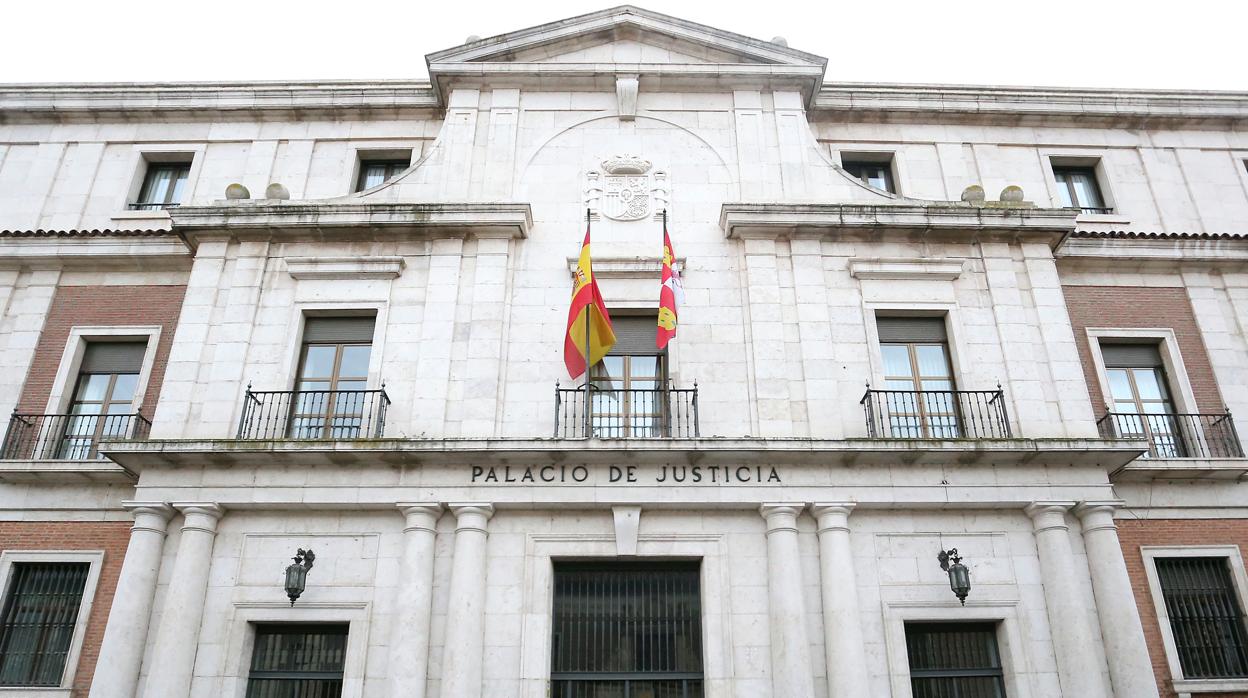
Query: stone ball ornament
{"points": [[236, 192], [973, 194], [277, 191], [1012, 193]]}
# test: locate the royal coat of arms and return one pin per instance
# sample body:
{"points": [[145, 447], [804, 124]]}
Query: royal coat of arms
{"points": [[625, 188]]}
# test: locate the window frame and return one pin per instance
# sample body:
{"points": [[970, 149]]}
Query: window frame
{"points": [[255, 608], [95, 560], [997, 672], [889, 159], [61, 396], [176, 167], [1181, 394], [375, 151], [144, 154], [1239, 580], [1066, 159], [286, 675]]}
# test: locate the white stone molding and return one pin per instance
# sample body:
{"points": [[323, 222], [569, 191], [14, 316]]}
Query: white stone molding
{"points": [[628, 267], [61, 395], [838, 588], [464, 644], [537, 608], [173, 654], [791, 668], [1168, 346], [906, 269], [1073, 639], [626, 87], [95, 560], [125, 634], [1130, 668], [627, 524], [1010, 642], [246, 614], [413, 602], [344, 267], [1234, 558]]}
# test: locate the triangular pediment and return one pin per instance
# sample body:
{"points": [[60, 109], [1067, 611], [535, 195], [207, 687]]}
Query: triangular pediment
{"points": [[624, 35]]}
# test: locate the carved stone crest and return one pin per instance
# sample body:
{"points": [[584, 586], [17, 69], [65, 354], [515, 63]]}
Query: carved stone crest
{"points": [[626, 189]]}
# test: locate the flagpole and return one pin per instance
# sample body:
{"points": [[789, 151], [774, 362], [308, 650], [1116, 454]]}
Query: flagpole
{"points": [[588, 411]]}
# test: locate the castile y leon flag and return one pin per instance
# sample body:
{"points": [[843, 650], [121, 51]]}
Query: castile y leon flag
{"points": [[589, 336], [671, 293]]}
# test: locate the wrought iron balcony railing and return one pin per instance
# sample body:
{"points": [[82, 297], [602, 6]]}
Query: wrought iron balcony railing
{"points": [[1096, 210], [1176, 435], [67, 436], [142, 206], [936, 414], [314, 414], [634, 413]]}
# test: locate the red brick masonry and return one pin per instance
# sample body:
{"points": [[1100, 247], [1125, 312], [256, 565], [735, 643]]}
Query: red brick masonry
{"points": [[101, 306], [110, 536], [1139, 306], [1135, 533]]}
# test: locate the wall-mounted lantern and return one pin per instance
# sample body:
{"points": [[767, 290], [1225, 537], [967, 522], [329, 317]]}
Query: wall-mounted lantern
{"points": [[297, 574], [959, 576]]}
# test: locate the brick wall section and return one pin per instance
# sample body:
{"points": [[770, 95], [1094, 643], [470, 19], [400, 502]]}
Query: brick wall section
{"points": [[112, 537], [1137, 306], [1132, 535], [101, 306]]}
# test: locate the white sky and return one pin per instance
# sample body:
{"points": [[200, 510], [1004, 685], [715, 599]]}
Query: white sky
{"points": [[1193, 44]]}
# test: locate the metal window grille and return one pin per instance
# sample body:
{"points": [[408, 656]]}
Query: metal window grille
{"points": [[954, 660], [297, 661], [1205, 616], [624, 630], [37, 624]]}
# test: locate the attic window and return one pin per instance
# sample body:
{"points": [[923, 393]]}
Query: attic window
{"points": [[874, 169]]}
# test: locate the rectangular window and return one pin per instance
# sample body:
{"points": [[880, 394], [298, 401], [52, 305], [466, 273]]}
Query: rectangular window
{"points": [[292, 660], [1077, 187], [1143, 408], [954, 660], [918, 377], [37, 623], [1206, 620], [375, 172], [626, 630], [164, 185], [332, 399], [103, 402], [874, 169], [629, 384]]}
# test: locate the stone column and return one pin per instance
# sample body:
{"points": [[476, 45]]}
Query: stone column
{"points": [[465, 609], [1130, 668], [413, 602], [177, 638], [791, 671], [842, 623], [125, 636], [1077, 668]]}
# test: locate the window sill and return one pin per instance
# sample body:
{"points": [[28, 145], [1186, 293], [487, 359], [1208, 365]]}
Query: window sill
{"points": [[1210, 685], [34, 692], [1114, 218]]}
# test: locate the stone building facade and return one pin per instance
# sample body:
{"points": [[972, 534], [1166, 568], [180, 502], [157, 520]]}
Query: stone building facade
{"points": [[330, 316]]}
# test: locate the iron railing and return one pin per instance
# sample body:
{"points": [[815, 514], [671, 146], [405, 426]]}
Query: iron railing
{"points": [[1176, 435], [37, 623], [67, 436], [936, 414], [1205, 617], [142, 206], [1096, 209], [633, 413], [314, 414]]}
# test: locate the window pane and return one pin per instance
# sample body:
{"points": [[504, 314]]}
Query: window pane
{"points": [[373, 176], [1086, 190], [1148, 382], [318, 362], [123, 387], [37, 624], [896, 360], [354, 362], [156, 186], [1063, 191], [179, 184], [1119, 384], [933, 360], [93, 386]]}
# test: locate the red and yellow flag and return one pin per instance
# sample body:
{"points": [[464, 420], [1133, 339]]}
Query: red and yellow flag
{"points": [[587, 307], [670, 293]]}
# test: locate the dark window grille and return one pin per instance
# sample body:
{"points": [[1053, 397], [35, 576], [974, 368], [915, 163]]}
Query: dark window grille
{"points": [[625, 630], [1205, 616], [37, 625], [954, 660], [293, 660]]}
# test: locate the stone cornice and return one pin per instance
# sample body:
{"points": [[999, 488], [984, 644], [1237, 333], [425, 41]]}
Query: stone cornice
{"points": [[1160, 251], [298, 218], [95, 252], [1037, 104], [740, 220]]}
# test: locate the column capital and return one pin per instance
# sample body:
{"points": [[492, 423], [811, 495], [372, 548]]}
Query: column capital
{"points": [[832, 516], [471, 515], [149, 516], [781, 516], [420, 516], [200, 516], [1097, 515], [1047, 515]]}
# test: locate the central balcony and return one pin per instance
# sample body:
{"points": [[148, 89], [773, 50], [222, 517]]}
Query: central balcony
{"points": [[632, 413], [67, 436], [313, 414], [936, 414], [1176, 435]]}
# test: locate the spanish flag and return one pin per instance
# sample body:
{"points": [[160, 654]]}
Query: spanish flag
{"points": [[587, 307], [670, 293]]}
